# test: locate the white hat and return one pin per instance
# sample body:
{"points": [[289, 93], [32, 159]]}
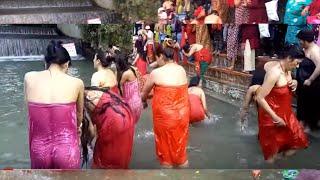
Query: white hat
{"points": [[147, 27]]}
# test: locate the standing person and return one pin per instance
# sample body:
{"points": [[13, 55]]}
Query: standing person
{"points": [[202, 55], [197, 99], [129, 86], [109, 120], [279, 129], [140, 61], [309, 81], [295, 19], [104, 77], [55, 111], [170, 108], [257, 12], [149, 44]]}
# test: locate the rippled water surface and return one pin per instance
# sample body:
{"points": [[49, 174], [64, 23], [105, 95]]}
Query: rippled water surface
{"points": [[215, 143]]}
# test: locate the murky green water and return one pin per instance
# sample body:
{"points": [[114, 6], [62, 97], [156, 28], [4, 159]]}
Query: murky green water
{"points": [[214, 144]]}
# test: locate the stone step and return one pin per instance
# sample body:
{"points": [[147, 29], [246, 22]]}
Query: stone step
{"points": [[57, 15], [13, 4]]}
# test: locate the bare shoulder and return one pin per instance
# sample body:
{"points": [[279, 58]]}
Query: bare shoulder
{"points": [[76, 81], [31, 75]]}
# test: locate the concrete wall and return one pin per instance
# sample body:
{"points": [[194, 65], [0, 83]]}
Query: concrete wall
{"points": [[71, 30], [107, 4]]}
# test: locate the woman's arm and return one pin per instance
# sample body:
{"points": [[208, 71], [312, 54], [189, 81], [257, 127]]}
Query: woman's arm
{"points": [[237, 3], [247, 100], [80, 104], [271, 78], [204, 103], [147, 87]]}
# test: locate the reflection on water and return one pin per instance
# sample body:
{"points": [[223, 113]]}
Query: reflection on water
{"points": [[217, 142]]}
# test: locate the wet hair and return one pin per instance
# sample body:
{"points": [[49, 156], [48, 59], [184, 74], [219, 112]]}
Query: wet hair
{"points": [[293, 52], [167, 52], [194, 81], [104, 58], [57, 54], [215, 12], [186, 47], [306, 35], [122, 66], [115, 102]]}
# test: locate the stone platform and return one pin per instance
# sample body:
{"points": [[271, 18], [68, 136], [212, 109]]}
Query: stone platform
{"points": [[222, 83]]}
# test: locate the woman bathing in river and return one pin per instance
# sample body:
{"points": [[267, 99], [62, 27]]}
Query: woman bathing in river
{"points": [[55, 111], [279, 129]]}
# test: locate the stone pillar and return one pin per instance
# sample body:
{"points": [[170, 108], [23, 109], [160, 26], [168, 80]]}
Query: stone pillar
{"points": [[71, 30], [107, 4]]}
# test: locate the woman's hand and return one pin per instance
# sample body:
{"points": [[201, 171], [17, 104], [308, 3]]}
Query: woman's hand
{"points": [[279, 121], [307, 82], [243, 114], [293, 84], [318, 15], [305, 11]]}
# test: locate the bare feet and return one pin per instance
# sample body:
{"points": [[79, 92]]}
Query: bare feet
{"points": [[184, 165], [290, 152], [166, 166]]}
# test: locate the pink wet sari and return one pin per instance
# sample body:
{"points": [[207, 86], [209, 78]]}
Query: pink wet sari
{"points": [[132, 96], [53, 138]]}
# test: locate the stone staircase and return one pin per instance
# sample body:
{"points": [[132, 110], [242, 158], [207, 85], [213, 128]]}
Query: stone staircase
{"points": [[54, 12]]}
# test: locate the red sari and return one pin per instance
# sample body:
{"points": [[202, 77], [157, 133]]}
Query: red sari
{"points": [[274, 139], [170, 108], [142, 66], [113, 147], [196, 109], [314, 7]]}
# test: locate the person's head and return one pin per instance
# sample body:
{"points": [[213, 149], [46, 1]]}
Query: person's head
{"points": [[102, 59], [194, 81], [121, 61], [140, 37], [215, 12], [293, 56], [306, 37], [186, 48], [163, 54], [198, 3], [58, 55]]}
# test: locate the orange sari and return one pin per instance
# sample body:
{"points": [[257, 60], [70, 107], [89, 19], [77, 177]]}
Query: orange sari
{"points": [[170, 107]]}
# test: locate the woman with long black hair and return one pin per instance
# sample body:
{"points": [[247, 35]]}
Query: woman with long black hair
{"points": [[128, 85], [108, 117], [55, 111]]}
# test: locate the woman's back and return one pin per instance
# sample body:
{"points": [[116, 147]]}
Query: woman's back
{"points": [[47, 87], [170, 74], [104, 78]]}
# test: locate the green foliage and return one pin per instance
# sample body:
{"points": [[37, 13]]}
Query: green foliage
{"points": [[100, 36], [136, 10]]}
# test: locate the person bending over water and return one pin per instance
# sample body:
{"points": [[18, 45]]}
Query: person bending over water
{"points": [[279, 129], [111, 121], [197, 99], [170, 108], [55, 111], [104, 77], [202, 55], [129, 86]]}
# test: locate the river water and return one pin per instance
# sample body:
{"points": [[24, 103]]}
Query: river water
{"points": [[216, 143]]}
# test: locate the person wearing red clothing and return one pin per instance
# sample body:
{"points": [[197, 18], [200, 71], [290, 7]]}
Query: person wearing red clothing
{"points": [[108, 118], [202, 56], [170, 109], [197, 99], [279, 129]]}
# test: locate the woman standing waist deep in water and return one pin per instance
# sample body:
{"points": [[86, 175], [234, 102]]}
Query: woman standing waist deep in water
{"points": [[55, 110]]}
